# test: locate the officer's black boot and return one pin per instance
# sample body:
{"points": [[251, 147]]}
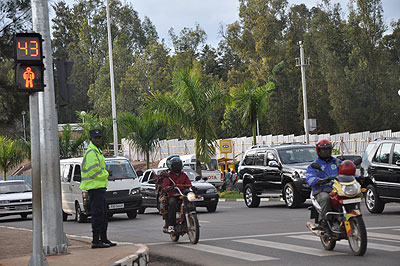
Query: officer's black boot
{"points": [[105, 240], [96, 243]]}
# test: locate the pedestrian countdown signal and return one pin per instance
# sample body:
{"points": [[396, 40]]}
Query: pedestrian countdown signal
{"points": [[28, 60]]}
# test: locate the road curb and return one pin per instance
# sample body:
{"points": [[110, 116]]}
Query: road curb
{"points": [[140, 258]]}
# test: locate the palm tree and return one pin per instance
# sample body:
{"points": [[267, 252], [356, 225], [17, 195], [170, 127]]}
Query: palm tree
{"points": [[190, 106], [252, 102], [69, 146], [142, 131], [11, 154]]}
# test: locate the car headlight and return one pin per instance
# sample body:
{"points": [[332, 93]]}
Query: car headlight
{"points": [[191, 196], [211, 190], [135, 191], [351, 189], [4, 201]]}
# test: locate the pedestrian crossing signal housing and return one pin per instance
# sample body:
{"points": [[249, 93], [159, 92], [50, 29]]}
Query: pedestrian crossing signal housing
{"points": [[28, 62], [29, 77]]}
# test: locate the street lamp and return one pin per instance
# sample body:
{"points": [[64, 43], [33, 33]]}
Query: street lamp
{"points": [[302, 62], [23, 123]]}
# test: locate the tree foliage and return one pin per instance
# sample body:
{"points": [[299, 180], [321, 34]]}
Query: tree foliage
{"points": [[11, 154]]}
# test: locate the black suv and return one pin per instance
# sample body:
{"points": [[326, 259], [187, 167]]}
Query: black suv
{"points": [[274, 171], [381, 169]]}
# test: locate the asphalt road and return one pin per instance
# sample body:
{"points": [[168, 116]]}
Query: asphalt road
{"points": [[236, 235]]}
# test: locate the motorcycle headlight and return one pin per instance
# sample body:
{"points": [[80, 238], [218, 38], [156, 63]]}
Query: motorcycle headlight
{"points": [[191, 196], [211, 190], [135, 191], [351, 189]]}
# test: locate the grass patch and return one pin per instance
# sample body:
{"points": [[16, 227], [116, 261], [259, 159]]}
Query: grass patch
{"points": [[230, 195]]}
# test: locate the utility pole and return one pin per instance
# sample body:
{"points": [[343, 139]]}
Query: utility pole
{"points": [[303, 65], [23, 124], [54, 239], [114, 112]]}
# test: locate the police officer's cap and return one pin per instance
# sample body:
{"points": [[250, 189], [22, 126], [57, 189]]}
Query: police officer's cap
{"points": [[95, 133]]}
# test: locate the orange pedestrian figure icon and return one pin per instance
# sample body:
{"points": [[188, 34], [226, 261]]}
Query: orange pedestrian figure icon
{"points": [[29, 76]]}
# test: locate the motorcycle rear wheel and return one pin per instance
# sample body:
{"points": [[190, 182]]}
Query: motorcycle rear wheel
{"points": [[327, 243], [358, 238], [193, 228]]}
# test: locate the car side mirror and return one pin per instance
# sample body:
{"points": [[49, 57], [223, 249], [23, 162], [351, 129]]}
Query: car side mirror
{"points": [[273, 164], [198, 178], [357, 161], [316, 166], [398, 162], [77, 178]]}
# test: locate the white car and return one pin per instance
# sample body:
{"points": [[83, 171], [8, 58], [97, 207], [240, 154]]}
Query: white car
{"points": [[15, 198]]}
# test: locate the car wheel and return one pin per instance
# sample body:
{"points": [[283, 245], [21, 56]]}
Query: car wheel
{"points": [[250, 196], [24, 215], [132, 214], [372, 201], [212, 208], [79, 216], [65, 216], [141, 210], [292, 197]]}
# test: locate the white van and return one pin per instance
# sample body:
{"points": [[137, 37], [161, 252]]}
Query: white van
{"points": [[209, 170], [122, 195]]}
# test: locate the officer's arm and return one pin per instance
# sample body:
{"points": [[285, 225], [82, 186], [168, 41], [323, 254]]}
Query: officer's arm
{"points": [[311, 176]]}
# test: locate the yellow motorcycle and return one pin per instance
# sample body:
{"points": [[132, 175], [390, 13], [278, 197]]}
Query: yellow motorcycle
{"points": [[346, 221]]}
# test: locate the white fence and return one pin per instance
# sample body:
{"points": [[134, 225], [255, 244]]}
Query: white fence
{"points": [[345, 143]]}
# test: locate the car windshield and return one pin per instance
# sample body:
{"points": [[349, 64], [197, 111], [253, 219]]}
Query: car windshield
{"points": [[121, 169], [190, 173], [14, 187], [297, 155]]}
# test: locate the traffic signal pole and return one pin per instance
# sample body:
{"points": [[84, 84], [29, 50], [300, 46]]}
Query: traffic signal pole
{"points": [[54, 239], [38, 258]]}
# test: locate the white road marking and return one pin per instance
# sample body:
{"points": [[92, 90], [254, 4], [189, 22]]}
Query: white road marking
{"points": [[229, 252], [386, 236], [289, 247], [385, 227], [345, 243], [204, 221]]}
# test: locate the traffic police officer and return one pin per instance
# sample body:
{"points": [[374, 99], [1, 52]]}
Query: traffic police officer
{"points": [[95, 180]]}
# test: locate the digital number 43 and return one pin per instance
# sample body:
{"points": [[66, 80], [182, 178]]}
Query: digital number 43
{"points": [[33, 46]]}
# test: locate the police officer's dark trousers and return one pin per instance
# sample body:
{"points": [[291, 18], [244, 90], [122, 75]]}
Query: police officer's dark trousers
{"points": [[98, 208]]}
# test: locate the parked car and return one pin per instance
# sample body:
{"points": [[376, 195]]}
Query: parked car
{"points": [[380, 169], [210, 170], [15, 198], [122, 195], [206, 194], [274, 171]]}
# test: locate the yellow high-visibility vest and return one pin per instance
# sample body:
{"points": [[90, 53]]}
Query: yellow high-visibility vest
{"points": [[94, 173]]}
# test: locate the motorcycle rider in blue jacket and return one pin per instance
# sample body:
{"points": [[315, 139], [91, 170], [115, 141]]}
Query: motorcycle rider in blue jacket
{"points": [[321, 181]]}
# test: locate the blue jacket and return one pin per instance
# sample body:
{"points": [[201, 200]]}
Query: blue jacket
{"points": [[328, 169]]}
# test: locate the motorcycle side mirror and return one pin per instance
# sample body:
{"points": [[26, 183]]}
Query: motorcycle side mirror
{"points": [[316, 166], [198, 178], [205, 178]]}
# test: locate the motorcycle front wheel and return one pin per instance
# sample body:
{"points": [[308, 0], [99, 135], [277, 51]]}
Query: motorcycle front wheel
{"points": [[174, 237], [193, 228], [358, 236], [327, 243]]}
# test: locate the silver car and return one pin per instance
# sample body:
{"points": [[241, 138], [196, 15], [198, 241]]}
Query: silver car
{"points": [[15, 198]]}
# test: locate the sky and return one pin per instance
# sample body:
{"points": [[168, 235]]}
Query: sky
{"points": [[209, 14]]}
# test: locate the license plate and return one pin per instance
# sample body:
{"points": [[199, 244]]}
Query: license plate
{"points": [[20, 208], [116, 206], [349, 201], [199, 199]]}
